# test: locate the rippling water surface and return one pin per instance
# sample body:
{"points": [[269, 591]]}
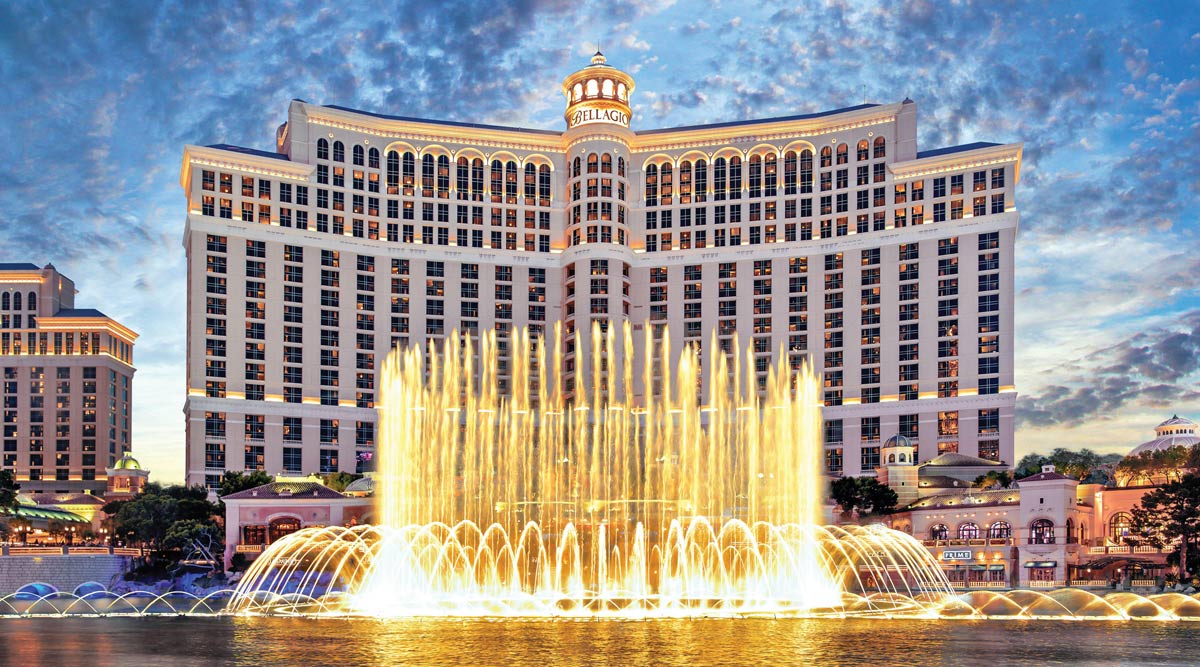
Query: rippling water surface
{"points": [[96, 642]]}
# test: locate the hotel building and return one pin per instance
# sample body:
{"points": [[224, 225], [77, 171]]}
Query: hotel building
{"points": [[825, 235], [67, 384]]}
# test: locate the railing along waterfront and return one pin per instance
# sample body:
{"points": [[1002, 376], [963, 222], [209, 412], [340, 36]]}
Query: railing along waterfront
{"points": [[65, 550]]}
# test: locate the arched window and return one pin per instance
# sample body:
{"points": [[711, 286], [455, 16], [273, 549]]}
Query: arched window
{"points": [[769, 176], [1083, 533], [322, 149], [477, 179], [576, 168], [497, 181], [31, 302], [891, 458], [593, 163], [443, 176], [685, 182], [462, 177], [880, 147], [939, 532], [806, 171], [510, 182], [1070, 531], [1119, 527], [843, 153], [410, 172], [903, 457], [700, 180], [666, 184], [373, 158], [621, 167], [826, 157], [4, 301], [359, 155], [789, 173], [16, 301], [339, 151], [282, 527], [1001, 530], [393, 173], [652, 185], [968, 530], [606, 164], [864, 150], [530, 183], [1041, 531], [735, 177], [544, 185], [755, 176], [427, 171]]}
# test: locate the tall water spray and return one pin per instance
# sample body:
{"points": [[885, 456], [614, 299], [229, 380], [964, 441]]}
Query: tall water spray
{"points": [[533, 502]]}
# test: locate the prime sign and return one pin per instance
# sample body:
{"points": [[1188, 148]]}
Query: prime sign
{"points": [[586, 116]]}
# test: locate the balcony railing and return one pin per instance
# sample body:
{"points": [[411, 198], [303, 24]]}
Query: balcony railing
{"points": [[1053, 583]]}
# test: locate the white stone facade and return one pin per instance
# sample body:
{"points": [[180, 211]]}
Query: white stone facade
{"points": [[892, 268]]}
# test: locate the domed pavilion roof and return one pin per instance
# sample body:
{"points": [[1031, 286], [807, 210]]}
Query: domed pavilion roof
{"points": [[1173, 432], [127, 462], [898, 441]]}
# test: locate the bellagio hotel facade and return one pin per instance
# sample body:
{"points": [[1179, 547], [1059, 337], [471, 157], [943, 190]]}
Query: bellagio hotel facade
{"points": [[826, 235]]}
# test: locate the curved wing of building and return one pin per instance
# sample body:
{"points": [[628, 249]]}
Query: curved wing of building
{"points": [[826, 234]]}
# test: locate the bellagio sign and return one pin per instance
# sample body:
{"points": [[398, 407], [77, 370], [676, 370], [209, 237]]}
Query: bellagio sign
{"points": [[585, 116]]}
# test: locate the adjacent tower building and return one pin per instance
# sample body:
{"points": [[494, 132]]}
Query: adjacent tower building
{"points": [[826, 235], [67, 384]]}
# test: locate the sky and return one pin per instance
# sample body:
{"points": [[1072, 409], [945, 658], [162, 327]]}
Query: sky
{"points": [[99, 100]]}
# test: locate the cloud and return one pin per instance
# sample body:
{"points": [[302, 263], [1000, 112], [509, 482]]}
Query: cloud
{"points": [[1158, 369], [1105, 103]]}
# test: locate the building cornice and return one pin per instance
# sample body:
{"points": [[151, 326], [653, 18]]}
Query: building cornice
{"points": [[395, 129], [54, 323], [957, 161], [220, 158], [764, 132]]}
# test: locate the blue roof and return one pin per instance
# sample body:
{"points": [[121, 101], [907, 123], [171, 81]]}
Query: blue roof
{"points": [[249, 151], [955, 149], [759, 121], [79, 312], [19, 266], [453, 123]]}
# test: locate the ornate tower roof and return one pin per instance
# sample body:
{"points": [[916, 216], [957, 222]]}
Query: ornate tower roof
{"points": [[598, 93]]}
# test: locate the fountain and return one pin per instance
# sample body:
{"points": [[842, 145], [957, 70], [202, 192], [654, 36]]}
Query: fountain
{"points": [[531, 503]]}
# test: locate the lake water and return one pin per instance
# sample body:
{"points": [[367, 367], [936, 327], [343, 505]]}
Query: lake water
{"points": [[182, 642]]}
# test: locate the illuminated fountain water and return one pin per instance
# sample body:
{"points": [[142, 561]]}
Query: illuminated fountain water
{"points": [[530, 503]]}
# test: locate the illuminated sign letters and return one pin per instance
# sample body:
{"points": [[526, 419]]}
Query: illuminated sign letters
{"points": [[957, 555], [586, 116]]}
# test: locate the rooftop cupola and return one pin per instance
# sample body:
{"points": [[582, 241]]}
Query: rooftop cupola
{"points": [[598, 93]]}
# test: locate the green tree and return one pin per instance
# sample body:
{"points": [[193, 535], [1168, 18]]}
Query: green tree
{"points": [[148, 517], [1030, 464], [8, 493], [864, 494], [236, 480], [182, 534], [338, 481], [193, 503], [1001, 478], [1168, 514]]}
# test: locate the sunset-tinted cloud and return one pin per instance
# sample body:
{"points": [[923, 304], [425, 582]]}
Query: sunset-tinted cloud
{"points": [[1106, 99]]}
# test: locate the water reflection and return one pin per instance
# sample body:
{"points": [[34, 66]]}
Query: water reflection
{"points": [[96, 642]]}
